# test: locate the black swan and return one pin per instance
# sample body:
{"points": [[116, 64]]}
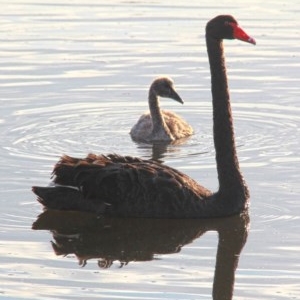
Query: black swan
{"points": [[125, 186], [160, 125]]}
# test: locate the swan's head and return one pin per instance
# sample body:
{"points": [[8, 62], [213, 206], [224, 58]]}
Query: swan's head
{"points": [[226, 27], [164, 87]]}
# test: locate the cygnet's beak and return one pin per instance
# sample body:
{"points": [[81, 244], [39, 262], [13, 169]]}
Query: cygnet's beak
{"points": [[174, 95]]}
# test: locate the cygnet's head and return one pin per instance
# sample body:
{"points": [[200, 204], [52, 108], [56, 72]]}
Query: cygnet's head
{"points": [[164, 87]]}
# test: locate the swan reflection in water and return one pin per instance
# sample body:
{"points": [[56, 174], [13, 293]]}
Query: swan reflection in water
{"points": [[125, 240], [158, 151]]}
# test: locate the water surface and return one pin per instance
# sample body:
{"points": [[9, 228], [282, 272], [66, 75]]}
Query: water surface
{"points": [[74, 79]]}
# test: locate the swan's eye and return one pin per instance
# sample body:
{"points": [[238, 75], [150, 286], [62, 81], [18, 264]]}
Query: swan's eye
{"points": [[228, 23]]}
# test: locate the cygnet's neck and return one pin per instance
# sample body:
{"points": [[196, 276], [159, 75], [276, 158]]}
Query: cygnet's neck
{"points": [[160, 130]]}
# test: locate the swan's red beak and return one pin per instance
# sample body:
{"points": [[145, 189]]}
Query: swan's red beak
{"points": [[240, 34]]}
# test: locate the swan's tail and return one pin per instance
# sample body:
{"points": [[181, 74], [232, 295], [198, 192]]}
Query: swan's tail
{"points": [[66, 198], [58, 197]]}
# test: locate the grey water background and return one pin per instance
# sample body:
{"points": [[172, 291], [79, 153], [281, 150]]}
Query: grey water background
{"points": [[74, 78]]}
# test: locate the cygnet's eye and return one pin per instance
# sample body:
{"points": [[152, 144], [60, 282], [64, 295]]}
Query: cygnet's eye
{"points": [[168, 90], [167, 86]]}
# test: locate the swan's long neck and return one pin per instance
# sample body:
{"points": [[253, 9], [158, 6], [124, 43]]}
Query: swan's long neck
{"points": [[230, 178], [160, 128]]}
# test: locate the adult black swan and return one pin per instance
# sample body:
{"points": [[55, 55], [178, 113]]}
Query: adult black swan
{"points": [[132, 187], [160, 125]]}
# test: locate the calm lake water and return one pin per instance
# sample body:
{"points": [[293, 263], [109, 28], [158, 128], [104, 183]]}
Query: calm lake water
{"points": [[74, 77]]}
